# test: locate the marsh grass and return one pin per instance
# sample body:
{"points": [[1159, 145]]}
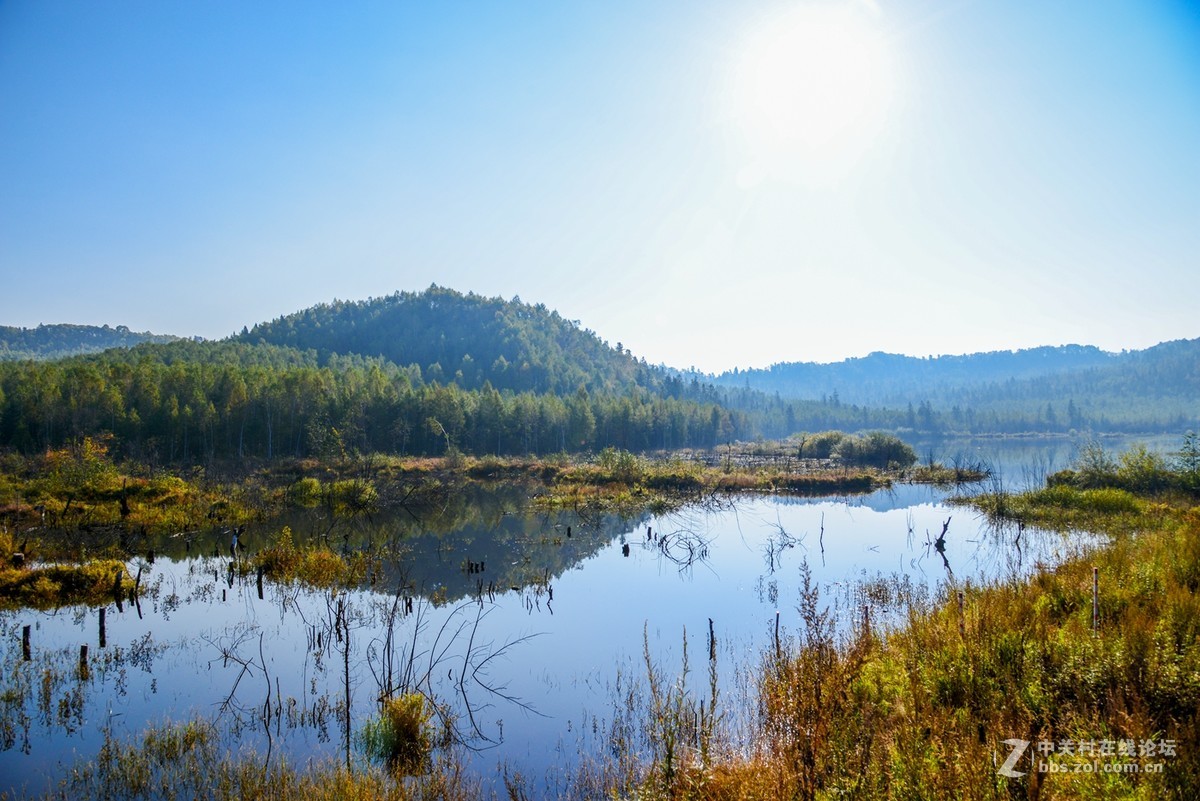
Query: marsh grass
{"points": [[177, 761], [400, 736], [1066, 507], [943, 475], [621, 481], [311, 565]]}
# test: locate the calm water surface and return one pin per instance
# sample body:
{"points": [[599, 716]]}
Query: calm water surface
{"points": [[520, 621]]}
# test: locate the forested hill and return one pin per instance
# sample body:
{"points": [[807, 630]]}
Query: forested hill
{"points": [[427, 373], [887, 378], [467, 340], [59, 341]]}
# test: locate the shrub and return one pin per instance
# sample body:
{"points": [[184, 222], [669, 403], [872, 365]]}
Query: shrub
{"points": [[1093, 466], [875, 449], [822, 445], [52, 586], [351, 496], [1143, 470], [316, 567], [620, 465], [305, 492]]}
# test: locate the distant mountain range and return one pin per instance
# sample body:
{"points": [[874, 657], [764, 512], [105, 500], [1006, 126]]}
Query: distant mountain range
{"points": [[1052, 388], [888, 379], [60, 341]]}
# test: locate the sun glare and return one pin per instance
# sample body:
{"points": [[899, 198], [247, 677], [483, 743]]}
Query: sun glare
{"points": [[809, 90]]}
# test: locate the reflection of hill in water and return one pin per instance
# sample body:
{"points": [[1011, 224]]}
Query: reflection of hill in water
{"points": [[476, 537], [517, 550]]}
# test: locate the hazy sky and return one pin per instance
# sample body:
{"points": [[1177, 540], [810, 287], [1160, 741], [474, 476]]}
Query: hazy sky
{"points": [[711, 183]]}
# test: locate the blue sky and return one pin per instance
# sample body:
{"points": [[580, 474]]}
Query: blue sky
{"points": [[714, 184]]}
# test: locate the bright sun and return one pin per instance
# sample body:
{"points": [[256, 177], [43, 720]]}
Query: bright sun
{"points": [[809, 90]]}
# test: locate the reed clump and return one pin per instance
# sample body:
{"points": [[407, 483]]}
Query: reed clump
{"points": [[400, 736], [312, 565]]}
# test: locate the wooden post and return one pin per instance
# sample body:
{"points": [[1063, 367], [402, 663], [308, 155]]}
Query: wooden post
{"points": [[260, 587], [26, 647], [866, 621], [962, 621], [777, 634], [103, 637], [1095, 600], [83, 661]]}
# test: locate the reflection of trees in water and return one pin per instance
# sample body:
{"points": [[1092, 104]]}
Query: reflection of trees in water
{"points": [[517, 551], [472, 541], [50, 693], [324, 667]]}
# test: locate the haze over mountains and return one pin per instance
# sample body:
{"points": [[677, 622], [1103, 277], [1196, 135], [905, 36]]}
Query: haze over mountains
{"points": [[888, 378], [489, 348], [62, 340]]}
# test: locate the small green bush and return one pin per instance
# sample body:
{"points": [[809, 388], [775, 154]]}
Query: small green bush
{"points": [[875, 449], [822, 445], [621, 465], [351, 496]]}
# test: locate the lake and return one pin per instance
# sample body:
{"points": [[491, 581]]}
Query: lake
{"points": [[525, 624]]}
